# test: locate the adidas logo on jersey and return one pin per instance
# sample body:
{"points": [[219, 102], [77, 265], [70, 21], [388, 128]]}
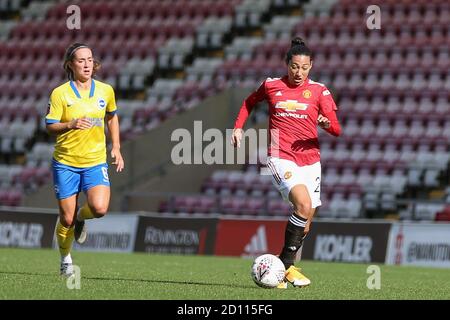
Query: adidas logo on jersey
{"points": [[278, 94]]}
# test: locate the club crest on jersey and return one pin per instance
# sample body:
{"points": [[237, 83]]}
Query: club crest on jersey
{"points": [[291, 105], [101, 103], [307, 94], [287, 175]]}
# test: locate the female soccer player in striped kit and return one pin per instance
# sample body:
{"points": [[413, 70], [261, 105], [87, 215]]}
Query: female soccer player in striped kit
{"points": [[76, 115], [296, 106]]}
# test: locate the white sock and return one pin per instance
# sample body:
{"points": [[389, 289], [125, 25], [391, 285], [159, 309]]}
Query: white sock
{"points": [[66, 259]]}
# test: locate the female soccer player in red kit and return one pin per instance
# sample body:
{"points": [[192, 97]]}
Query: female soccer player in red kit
{"points": [[296, 106]]}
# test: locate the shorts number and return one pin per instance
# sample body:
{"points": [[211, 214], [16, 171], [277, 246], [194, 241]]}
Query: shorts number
{"points": [[318, 185], [105, 173]]}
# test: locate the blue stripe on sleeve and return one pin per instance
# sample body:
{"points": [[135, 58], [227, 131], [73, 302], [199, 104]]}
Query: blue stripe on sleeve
{"points": [[111, 113], [51, 121]]}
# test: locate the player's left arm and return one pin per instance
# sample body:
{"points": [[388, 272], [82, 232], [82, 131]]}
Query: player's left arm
{"points": [[112, 121], [114, 132], [327, 118]]}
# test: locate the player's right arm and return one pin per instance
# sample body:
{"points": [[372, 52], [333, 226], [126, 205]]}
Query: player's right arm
{"points": [[61, 127], [246, 108], [54, 115]]}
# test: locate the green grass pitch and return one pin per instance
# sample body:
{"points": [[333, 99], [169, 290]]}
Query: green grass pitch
{"points": [[33, 274]]}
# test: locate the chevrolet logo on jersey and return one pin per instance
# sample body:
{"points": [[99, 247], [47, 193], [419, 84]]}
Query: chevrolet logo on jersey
{"points": [[291, 105]]}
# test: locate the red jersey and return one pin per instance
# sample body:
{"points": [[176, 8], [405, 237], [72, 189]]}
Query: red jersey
{"points": [[293, 112]]}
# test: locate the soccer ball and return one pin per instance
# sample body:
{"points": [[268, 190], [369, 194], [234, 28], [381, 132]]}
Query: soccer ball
{"points": [[268, 271]]}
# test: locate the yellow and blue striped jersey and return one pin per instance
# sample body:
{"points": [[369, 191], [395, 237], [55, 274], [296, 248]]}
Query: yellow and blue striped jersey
{"points": [[81, 148]]}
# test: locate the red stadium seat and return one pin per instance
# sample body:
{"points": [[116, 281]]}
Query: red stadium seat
{"points": [[254, 206], [278, 207], [12, 198], [233, 205], [207, 204], [443, 215]]}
